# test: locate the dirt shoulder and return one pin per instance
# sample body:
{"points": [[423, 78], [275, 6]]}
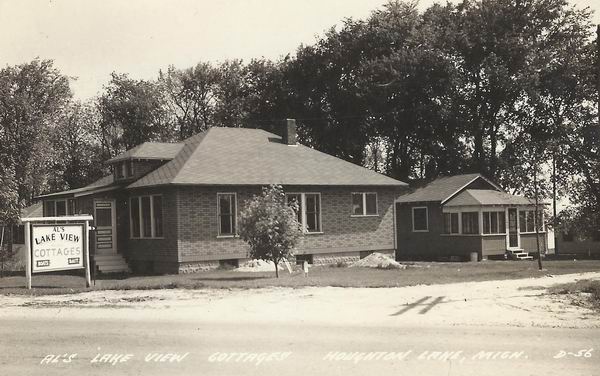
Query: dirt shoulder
{"points": [[520, 302]]}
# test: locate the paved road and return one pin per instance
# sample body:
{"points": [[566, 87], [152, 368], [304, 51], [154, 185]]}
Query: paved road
{"points": [[298, 348]]}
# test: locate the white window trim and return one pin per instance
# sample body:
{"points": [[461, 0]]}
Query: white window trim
{"points": [[542, 230], [364, 204], [497, 213], [302, 208], [426, 218], [233, 220], [152, 223]]}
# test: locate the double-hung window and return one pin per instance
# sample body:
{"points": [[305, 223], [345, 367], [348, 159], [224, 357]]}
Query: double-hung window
{"points": [[226, 213], [451, 223], [470, 222], [309, 210], [364, 204], [494, 222], [145, 217]]}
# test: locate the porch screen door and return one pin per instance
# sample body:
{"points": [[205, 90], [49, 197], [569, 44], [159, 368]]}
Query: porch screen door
{"points": [[104, 220], [513, 235]]}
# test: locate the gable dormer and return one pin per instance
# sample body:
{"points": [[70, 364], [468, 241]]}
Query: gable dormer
{"points": [[142, 159]]}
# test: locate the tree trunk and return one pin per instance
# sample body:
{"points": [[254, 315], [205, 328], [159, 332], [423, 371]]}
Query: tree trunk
{"points": [[276, 262], [536, 218], [2, 254]]}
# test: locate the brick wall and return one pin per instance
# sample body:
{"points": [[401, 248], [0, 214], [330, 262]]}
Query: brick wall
{"points": [[197, 224]]}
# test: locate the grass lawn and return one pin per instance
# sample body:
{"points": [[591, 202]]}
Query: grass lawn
{"points": [[417, 273], [590, 288]]}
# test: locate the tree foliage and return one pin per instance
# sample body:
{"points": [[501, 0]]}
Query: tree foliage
{"points": [[32, 97], [270, 226]]}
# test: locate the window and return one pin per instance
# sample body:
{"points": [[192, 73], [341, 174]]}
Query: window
{"points": [[226, 213], [313, 212], [134, 210], [157, 216], [470, 222], [145, 217], [419, 219], [526, 221], [364, 204], [309, 210], [58, 208], [451, 223], [119, 170], [129, 168], [494, 223]]}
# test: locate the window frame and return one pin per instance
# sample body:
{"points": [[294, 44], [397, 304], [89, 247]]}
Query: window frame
{"points": [[477, 223], [233, 219], [302, 208], [526, 217], [141, 218], [498, 214], [426, 218], [364, 204], [129, 169], [458, 223], [53, 203]]}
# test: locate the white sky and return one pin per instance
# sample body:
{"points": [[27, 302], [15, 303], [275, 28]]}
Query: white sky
{"points": [[90, 39]]}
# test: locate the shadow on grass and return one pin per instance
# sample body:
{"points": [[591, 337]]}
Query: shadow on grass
{"points": [[236, 278]]}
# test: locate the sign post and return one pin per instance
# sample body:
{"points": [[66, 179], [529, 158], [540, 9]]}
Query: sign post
{"points": [[57, 246], [28, 253], [88, 280]]}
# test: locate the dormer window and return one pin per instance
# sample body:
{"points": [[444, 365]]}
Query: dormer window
{"points": [[119, 170], [123, 170], [129, 168]]}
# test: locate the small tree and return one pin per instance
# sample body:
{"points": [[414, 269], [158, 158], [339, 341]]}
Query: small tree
{"points": [[270, 226]]}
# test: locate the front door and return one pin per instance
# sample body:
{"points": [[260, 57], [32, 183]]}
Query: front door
{"points": [[105, 222], [513, 228]]}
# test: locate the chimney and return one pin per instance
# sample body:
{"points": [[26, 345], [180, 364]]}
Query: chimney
{"points": [[289, 131]]}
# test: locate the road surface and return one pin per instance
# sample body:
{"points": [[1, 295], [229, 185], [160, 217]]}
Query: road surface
{"points": [[425, 330]]}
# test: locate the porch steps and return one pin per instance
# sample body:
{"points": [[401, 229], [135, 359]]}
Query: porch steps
{"points": [[111, 263], [519, 254]]}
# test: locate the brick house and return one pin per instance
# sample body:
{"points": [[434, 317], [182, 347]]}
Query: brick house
{"points": [[172, 207], [460, 215]]}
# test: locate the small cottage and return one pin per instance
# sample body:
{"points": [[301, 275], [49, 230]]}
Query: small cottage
{"points": [[463, 216]]}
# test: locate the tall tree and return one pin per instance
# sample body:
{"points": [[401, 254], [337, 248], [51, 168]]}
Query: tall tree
{"points": [[77, 159], [136, 109], [191, 96], [32, 96]]}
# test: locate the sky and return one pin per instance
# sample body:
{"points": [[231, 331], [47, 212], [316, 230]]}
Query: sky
{"points": [[90, 39]]}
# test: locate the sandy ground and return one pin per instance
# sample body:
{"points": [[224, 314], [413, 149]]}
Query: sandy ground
{"points": [[520, 303]]}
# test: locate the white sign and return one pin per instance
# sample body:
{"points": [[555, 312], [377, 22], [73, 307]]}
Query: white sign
{"points": [[57, 247]]}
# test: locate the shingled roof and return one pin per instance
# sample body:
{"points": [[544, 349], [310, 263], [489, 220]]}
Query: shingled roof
{"points": [[104, 183], [241, 156], [442, 188], [150, 150], [487, 197]]}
